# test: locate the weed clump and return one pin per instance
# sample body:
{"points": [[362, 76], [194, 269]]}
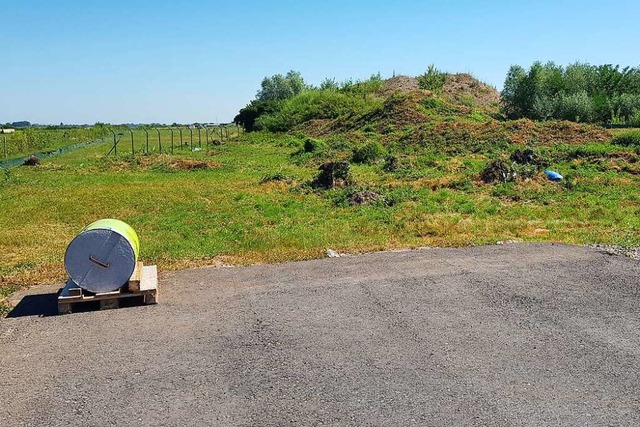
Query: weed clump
{"points": [[333, 174], [313, 145], [368, 153], [391, 164], [276, 177]]}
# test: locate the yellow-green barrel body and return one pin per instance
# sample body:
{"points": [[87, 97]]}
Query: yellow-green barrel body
{"points": [[103, 256]]}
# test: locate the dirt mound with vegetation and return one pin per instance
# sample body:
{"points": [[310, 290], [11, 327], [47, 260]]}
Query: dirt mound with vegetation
{"points": [[463, 113], [464, 88], [461, 88], [402, 84], [466, 134]]}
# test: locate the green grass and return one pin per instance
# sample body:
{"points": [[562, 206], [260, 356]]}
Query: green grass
{"points": [[227, 212], [29, 141]]}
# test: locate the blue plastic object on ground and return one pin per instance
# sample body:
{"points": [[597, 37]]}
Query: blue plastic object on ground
{"points": [[553, 176]]}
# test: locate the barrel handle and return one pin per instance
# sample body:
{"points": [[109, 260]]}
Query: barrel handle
{"points": [[97, 261]]}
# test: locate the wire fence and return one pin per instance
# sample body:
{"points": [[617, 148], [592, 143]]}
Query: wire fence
{"points": [[172, 139], [121, 140]]}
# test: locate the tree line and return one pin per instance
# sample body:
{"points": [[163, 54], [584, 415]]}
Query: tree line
{"points": [[580, 92]]}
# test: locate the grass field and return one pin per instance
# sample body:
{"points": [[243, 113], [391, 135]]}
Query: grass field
{"points": [[215, 206]]}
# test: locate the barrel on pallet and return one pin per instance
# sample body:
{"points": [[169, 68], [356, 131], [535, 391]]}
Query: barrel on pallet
{"points": [[103, 256]]}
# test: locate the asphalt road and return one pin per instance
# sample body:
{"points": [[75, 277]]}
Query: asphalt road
{"points": [[514, 335]]}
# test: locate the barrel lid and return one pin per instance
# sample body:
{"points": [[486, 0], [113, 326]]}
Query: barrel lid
{"points": [[100, 260]]}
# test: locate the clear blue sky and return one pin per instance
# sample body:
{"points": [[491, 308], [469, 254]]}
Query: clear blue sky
{"points": [[165, 61]]}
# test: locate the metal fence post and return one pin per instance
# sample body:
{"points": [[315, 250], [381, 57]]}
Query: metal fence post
{"points": [[133, 150], [206, 136], [199, 140], [181, 142], [4, 144], [115, 145], [190, 139], [159, 141], [146, 133], [171, 129]]}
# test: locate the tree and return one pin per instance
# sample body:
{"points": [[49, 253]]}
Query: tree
{"points": [[279, 87], [248, 115], [513, 98], [329, 84]]}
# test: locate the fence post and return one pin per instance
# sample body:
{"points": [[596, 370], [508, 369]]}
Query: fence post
{"points": [[115, 145], [206, 135], [181, 142], [159, 141], [4, 144], [146, 133], [190, 139], [171, 129], [199, 140], [133, 150]]}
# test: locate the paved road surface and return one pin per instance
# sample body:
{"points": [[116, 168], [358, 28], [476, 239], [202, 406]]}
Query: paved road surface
{"points": [[516, 335]]}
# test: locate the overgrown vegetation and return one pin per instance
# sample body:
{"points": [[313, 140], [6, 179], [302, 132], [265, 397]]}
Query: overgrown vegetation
{"points": [[580, 92], [630, 138], [285, 102]]}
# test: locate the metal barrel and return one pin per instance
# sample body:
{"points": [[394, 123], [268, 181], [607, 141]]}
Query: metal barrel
{"points": [[103, 256]]}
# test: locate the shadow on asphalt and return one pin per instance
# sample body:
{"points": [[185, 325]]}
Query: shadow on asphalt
{"points": [[36, 305]]}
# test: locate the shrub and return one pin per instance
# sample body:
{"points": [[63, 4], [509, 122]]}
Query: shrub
{"points": [[368, 153], [313, 145], [433, 79], [369, 127], [391, 164], [333, 174]]}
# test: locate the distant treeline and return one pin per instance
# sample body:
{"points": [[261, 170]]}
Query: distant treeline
{"points": [[602, 94]]}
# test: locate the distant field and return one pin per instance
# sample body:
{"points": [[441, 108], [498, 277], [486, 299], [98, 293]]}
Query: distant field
{"points": [[248, 201]]}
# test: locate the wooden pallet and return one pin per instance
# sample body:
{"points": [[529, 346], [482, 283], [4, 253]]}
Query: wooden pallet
{"points": [[142, 284]]}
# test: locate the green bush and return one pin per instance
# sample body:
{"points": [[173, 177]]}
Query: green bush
{"points": [[433, 79], [368, 153], [313, 145]]}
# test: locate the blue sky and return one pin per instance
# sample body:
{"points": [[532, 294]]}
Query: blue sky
{"points": [[200, 61]]}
